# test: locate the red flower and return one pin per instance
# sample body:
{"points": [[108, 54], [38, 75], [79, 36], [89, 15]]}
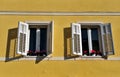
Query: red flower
{"points": [[93, 51], [37, 51], [85, 52], [30, 51]]}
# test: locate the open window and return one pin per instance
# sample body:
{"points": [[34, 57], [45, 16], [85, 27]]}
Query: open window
{"points": [[92, 39], [35, 38]]}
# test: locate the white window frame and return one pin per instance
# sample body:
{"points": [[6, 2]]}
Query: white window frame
{"points": [[101, 32], [93, 24], [48, 23]]}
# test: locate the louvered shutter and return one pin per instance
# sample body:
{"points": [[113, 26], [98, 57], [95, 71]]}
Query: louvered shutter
{"points": [[22, 45], [107, 41], [76, 39], [50, 38]]}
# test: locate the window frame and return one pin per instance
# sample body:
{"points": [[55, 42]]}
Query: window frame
{"points": [[101, 38], [50, 35], [93, 24]]}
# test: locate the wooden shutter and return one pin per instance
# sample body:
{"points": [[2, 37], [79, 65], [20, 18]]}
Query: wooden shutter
{"points": [[23, 39], [76, 39], [107, 41], [50, 38]]}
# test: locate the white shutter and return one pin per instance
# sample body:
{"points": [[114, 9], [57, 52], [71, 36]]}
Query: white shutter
{"points": [[107, 42], [76, 39], [23, 40], [50, 38], [103, 36]]}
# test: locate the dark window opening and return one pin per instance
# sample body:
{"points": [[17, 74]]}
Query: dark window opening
{"points": [[42, 44], [95, 41], [90, 47], [32, 45], [85, 41]]}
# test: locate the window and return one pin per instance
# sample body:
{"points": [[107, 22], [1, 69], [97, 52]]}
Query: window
{"points": [[35, 38], [92, 39]]}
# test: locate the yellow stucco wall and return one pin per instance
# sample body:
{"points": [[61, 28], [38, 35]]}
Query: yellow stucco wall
{"points": [[60, 5], [79, 68], [60, 69], [60, 24]]}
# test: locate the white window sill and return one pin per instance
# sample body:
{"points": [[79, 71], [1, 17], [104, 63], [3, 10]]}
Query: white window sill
{"points": [[91, 56], [63, 59], [48, 56]]}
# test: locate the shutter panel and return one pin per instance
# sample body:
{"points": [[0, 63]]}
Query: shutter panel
{"points": [[23, 39], [50, 38], [103, 36], [76, 39], [107, 42]]}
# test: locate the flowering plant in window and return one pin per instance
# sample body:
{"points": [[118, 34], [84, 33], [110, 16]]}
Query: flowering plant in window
{"points": [[43, 52], [30, 52], [85, 52], [99, 53], [92, 52], [37, 53]]}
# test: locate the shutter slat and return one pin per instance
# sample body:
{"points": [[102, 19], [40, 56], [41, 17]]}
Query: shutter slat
{"points": [[76, 39], [107, 41], [22, 46]]}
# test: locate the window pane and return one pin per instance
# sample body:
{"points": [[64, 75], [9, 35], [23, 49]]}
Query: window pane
{"points": [[95, 39], [43, 39], [85, 41], [32, 46]]}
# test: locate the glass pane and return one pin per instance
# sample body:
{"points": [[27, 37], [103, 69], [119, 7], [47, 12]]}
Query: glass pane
{"points": [[43, 38], [43, 41], [32, 45], [95, 39], [85, 47]]}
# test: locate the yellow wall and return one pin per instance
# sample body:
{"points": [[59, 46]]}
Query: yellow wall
{"points": [[61, 23], [59, 5], [79, 68], [60, 69]]}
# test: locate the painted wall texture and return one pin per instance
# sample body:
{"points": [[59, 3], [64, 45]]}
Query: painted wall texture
{"points": [[62, 34], [55, 5]]}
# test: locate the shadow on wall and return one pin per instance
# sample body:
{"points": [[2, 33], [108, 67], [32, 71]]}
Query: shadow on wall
{"points": [[11, 45], [68, 44], [39, 59]]}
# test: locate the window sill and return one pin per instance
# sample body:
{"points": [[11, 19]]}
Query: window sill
{"points": [[50, 58], [38, 56], [91, 56]]}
